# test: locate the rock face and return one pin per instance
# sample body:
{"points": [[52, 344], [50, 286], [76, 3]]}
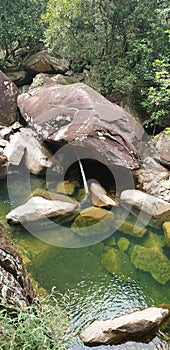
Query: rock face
{"points": [[38, 208], [79, 115], [25, 144], [133, 326], [3, 166], [15, 286], [153, 206], [42, 62], [8, 100], [153, 178]]}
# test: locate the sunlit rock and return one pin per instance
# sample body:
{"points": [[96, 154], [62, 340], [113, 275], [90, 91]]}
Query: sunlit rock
{"points": [[24, 144], [93, 221], [151, 260], [133, 326], [154, 207], [99, 196], [38, 208]]}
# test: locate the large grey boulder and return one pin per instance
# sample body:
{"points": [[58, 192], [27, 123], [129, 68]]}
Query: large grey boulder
{"points": [[153, 206], [38, 208], [8, 100], [15, 285], [25, 144], [133, 326], [79, 115]]}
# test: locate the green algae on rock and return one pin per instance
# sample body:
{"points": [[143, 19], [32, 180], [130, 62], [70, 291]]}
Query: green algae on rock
{"points": [[166, 228], [67, 187], [130, 228], [151, 260], [123, 244], [118, 262], [93, 221], [154, 240]]}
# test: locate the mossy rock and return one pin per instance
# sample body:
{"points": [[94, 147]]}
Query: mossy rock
{"points": [[93, 221], [118, 262], [123, 244], [67, 187], [111, 241], [130, 228], [153, 240], [81, 194], [51, 195], [153, 261], [166, 228]]}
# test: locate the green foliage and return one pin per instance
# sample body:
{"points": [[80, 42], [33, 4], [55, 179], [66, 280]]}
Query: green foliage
{"points": [[158, 97], [20, 24], [41, 326], [121, 39]]}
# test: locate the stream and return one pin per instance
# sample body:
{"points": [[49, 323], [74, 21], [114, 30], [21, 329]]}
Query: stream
{"points": [[89, 291]]}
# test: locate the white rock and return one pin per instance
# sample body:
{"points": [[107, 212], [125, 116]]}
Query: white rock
{"points": [[153, 206], [124, 328], [38, 208], [100, 197], [24, 142]]}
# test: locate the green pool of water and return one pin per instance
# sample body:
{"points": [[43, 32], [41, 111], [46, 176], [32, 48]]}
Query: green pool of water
{"points": [[89, 290]]}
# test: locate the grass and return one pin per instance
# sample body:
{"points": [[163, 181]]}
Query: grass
{"points": [[42, 326]]}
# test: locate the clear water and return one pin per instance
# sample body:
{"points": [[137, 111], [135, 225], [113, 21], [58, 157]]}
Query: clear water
{"points": [[90, 292]]}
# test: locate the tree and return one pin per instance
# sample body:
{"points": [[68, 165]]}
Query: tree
{"points": [[20, 24]]}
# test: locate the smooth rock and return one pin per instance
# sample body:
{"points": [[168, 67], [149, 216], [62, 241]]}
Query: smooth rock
{"points": [[38, 208], [25, 144], [79, 115], [99, 196], [151, 205], [133, 326], [15, 285], [8, 100]]}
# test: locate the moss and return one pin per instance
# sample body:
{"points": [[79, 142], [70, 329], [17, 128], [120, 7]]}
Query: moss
{"points": [[118, 262], [67, 187], [153, 240], [129, 228], [111, 242], [166, 228], [81, 194], [153, 261], [93, 221], [167, 132], [123, 244]]}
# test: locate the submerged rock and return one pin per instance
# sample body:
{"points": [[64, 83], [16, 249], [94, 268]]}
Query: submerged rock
{"points": [[134, 326], [151, 260], [130, 228], [38, 208], [154, 207], [93, 221], [79, 115], [15, 286], [117, 262], [166, 228]]}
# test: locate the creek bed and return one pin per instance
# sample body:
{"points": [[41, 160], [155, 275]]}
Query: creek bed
{"points": [[89, 291]]}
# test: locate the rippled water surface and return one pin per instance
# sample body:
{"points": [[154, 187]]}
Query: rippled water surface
{"points": [[90, 292]]}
